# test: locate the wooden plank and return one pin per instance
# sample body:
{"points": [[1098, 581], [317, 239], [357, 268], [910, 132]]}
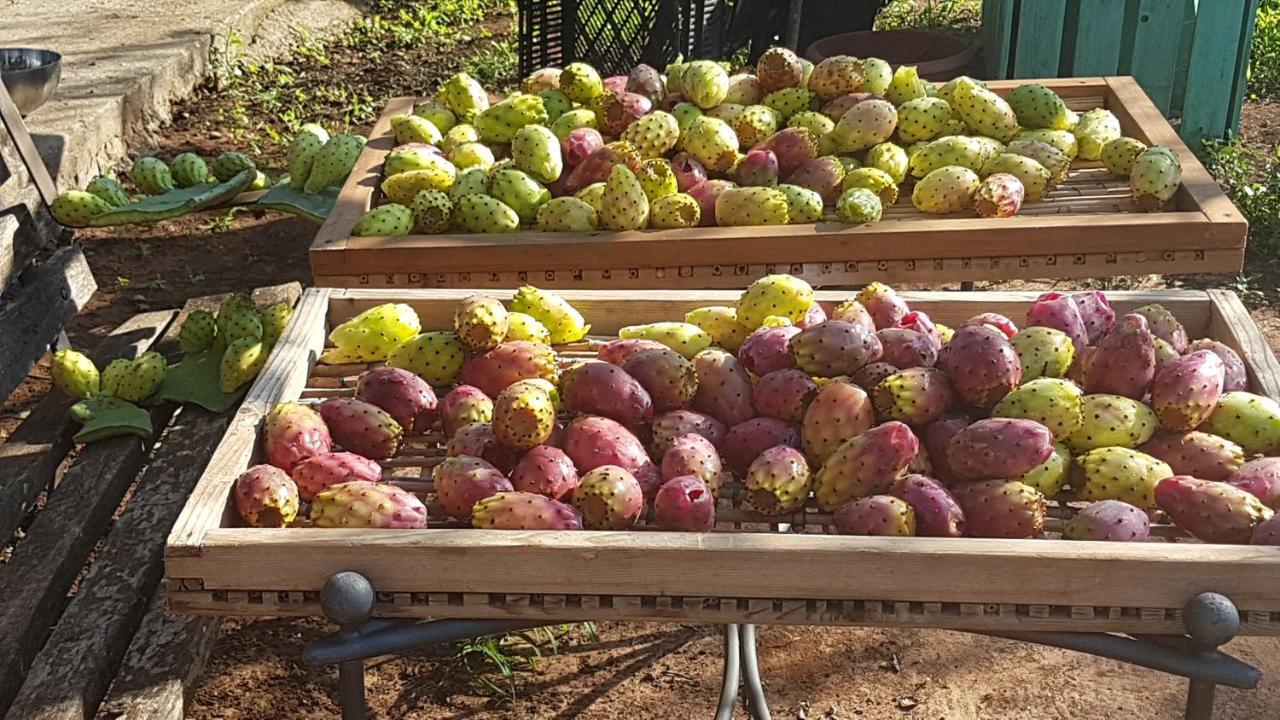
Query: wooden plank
{"points": [[997, 26], [32, 454], [1099, 29], [11, 119], [162, 666], [1154, 60], [71, 674], [1231, 324], [51, 293], [1039, 42], [1215, 60], [26, 227], [1242, 66]]}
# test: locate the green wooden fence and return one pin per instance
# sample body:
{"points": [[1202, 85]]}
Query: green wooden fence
{"points": [[1190, 56]]}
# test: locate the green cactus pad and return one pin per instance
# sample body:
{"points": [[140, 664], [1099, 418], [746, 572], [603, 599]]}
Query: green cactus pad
{"points": [[107, 417], [195, 381], [175, 203], [314, 207]]}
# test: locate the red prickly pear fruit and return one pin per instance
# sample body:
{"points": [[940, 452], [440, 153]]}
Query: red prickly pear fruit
{"points": [[768, 349], [852, 311], [1213, 512], [1261, 477], [545, 470], [757, 168], [591, 441], [784, 394], [609, 498], [839, 411], [615, 111], [647, 81], [492, 371], [706, 193], [981, 364], [748, 439], [361, 428], [1000, 508], [1096, 313], [1236, 376], [920, 322], [579, 144], [937, 440], [1080, 365], [883, 303], [834, 348], [320, 471], [875, 515], [462, 406], [292, 433], [692, 454], [999, 448], [600, 388], [866, 464], [997, 321], [688, 172], [814, 315], [777, 481], [670, 425], [597, 166], [618, 352], [405, 396], [666, 375], [823, 175], [686, 504], [1109, 520], [1267, 532], [1058, 311], [872, 374], [265, 496], [1165, 326], [793, 147], [1197, 454], [1186, 390], [836, 108], [479, 440], [905, 348], [915, 396], [724, 387], [1124, 363], [464, 480], [524, 511], [937, 512]]}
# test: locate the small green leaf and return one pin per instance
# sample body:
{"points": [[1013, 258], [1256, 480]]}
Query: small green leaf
{"points": [[107, 417]]}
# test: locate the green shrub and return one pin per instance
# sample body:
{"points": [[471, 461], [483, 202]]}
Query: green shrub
{"points": [[1264, 63], [1251, 178]]}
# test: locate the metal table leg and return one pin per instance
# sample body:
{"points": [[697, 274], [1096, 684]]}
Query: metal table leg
{"points": [[729, 677], [756, 705]]}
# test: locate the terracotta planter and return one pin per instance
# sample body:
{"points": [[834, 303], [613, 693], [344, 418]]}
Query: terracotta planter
{"points": [[938, 56]]}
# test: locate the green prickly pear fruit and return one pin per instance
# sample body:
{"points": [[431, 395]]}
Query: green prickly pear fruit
{"points": [[436, 357], [403, 187], [864, 125], [230, 164], [705, 83], [483, 214], [712, 142], [555, 102], [472, 154], [946, 190], [1112, 420], [859, 205], [877, 75], [657, 179], [142, 377], [536, 150], [523, 416], [624, 205], [151, 176], [580, 82], [526, 327], [471, 181], [1064, 141], [789, 102], [109, 380], [499, 123], [75, 208], [952, 150], [1043, 352], [905, 85], [1095, 129], [372, 335], [754, 124], [188, 170], [392, 219], [109, 190], [302, 154], [1250, 421], [1033, 176], [835, 76], [1036, 106], [463, 95], [562, 319], [653, 135], [241, 363], [875, 515], [439, 115], [781, 295], [890, 158], [675, 211], [1119, 155], [875, 180], [275, 318], [1050, 476], [457, 136], [572, 120], [751, 206], [1049, 157], [415, 129], [432, 211], [1155, 178], [685, 113], [813, 121], [916, 396], [1055, 403], [922, 119], [333, 162], [803, 205], [985, 112], [777, 481], [777, 68], [721, 323], [239, 323], [592, 195], [408, 158], [74, 374], [567, 214], [1118, 473], [519, 192], [198, 332], [685, 338]]}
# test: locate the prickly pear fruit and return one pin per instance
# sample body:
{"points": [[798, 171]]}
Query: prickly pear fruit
{"points": [[1036, 106], [667, 376], [75, 208], [1060, 312], [864, 125], [777, 481], [1117, 473], [1266, 532], [1124, 362], [779, 68], [1094, 130], [946, 190], [361, 427], [685, 503], [1260, 477], [1109, 520], [547, 471], [189, 169], [74, 374], [1236, 376], [839, 411], [671, 425], [600, 388], [241, 362], [916, 396], [463, 480], [875, 515], [858, 206], [1118, 155], [1001, 508], [950, 151], [508, 363], [981, 364], [435, 356], [372, 335], [905, 348], [292, 433], [333, 162], [318, 472], [1050, 476], [866, 464], [1112, 420], [684, 338], [751, 206], [525, 327], [561, 318], [1047, 156], [878, 302], [906, 85], [151, 175], [998, 448], [782, 295], [675, 211], [524, 511], [591, 441], [1164, 325], [937, 513], [523, 416], [692, 454], [999, 195], [1186, 390], [1251, 421], [834, 348], [462, 406], [768, 349], [618, 352], [403, 395], [359, 504], [784, 394], [478, 440], [1213, 512], [922, 119], [609, 498], [746, 440], [711, 142], [721, 323], [108, 190], [480, 323], [1055, 403], [1197, 454], [484, 214], [265, 496]]}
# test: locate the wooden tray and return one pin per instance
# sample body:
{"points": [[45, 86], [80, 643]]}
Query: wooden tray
{"points": [[1087, 227], [217, 568]]}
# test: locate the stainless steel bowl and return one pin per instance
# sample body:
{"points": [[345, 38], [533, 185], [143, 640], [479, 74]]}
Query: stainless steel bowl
{"points": [[30, 76]]}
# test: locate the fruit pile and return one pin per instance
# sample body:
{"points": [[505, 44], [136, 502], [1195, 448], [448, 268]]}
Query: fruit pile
{"points": [[784, 142], [866, 416]]}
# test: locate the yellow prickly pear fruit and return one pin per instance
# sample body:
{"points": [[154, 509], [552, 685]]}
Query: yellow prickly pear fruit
{"points": [[372, 335], [685, 338], [721, 323], [74, 374], [561, 319], [783, 295]]}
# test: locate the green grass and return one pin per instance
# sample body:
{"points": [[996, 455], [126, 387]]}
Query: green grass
{"points": [[1251, 178], [956, 16], [1264, 63], [494, 664]]}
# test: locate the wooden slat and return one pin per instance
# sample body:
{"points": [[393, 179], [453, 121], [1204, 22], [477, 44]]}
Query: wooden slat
{"points": [[1099, 29], [997, 26], [1216, 57], [1231, 324], [1155, 47], [11, 120], [26, 228], [51, 293], [1242, 65], [1039, 47]]}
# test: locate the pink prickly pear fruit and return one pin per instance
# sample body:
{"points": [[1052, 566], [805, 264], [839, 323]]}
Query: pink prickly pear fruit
{"points": [[600, 388], [615, 111], [292, 433], [686, 504], [1060, 312], [1095, 310], [672, 99], [359, 504], [938, 514], [748, 439], [916, 396], [1236, 376], [645, 80], [464, 480], [545, 470], [609, 498], [615, 83], [920, 322], [875, 515], [1260, 477], [668, 426], [1080, 365], [692, 454], [405, 396], [936, 438], [981, 365], [836, 108], [1124, 363], [1213, 512], [479, 440], [597, 166], [666, 375], [462, 406], [1197, 454], [768, 349], [757, 167], [266, 496], [591, 441], [839, 411], [706, 193], [905, 348], [578, 145], [618, 352], [872, 374], [1267, 532], [784, 394], [724, 387], [688, 172], [997, 321], [777, 481], [999, 448], [493, 370], [823, 175], [814, 315], [792, 146], [1109, 520], [524, 511], [1186, 390], [834, 348], [361, 428], [852, 311], [320, 471], [883, 303], [1000, 508], [1164, 326], [1000, 195], [866, 464]]}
